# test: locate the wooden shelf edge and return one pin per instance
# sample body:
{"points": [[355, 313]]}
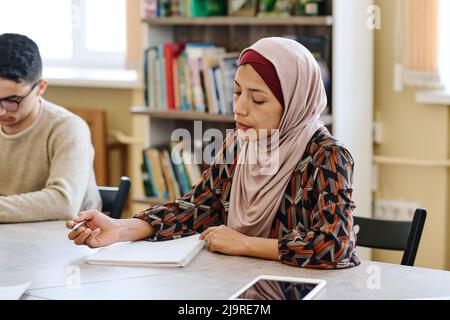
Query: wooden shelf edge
{"points": [[219, 21], [182, 115]]}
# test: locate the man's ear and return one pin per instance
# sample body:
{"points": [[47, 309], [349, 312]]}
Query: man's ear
{"points": [[42, 87]]}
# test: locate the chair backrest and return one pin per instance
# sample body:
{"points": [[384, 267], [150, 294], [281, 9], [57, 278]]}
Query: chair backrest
{"points": [[115, 198], [96, 120], [392, 235]]}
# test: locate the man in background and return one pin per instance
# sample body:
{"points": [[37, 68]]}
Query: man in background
{"points": [[46, 154]]}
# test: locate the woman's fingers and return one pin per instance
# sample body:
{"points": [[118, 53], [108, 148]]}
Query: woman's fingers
{"points": [[85, 236], [74, 234], [82, 237], [212, 245], [86, 215], [92, 241], [209, 240], [70, 224], [207, 232]]}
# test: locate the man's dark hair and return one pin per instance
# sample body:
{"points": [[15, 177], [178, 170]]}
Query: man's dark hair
{"points": [[20, 60]]}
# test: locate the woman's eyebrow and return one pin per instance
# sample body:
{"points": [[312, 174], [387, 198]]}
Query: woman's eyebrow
{"points": [[252, 89], [257, 90]]}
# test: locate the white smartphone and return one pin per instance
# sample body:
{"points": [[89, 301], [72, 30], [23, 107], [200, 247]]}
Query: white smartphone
{"points": [[267, 287]]}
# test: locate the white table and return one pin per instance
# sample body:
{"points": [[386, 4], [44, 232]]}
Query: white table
{"points": [[42, 254]]}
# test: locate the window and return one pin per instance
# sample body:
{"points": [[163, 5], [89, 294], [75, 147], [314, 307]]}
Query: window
{"points": [[71, 33]]}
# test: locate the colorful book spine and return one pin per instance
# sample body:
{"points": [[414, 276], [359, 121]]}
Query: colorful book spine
{"points": [[183, 82], [158, 90], [218, 78], [180, 172], [215, 89], [158, 175], [167, 163], [164, 8], [149, 185], [150, 9], [168, 69], [150, 77], [163, 77]]}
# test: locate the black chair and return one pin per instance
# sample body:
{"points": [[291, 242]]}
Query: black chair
{"points": [[392, 235], [115, 198]]}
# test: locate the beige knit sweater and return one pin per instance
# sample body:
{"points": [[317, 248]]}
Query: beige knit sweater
{"points": [[46, 171]]}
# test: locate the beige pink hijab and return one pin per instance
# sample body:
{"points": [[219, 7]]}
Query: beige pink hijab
{"points": [[256, 197]]}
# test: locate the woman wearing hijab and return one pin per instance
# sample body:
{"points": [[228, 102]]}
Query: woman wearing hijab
{"points": [[286, 194]]}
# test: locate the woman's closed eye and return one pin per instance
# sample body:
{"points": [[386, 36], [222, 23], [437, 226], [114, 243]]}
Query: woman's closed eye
{"points": [[258, 102]]}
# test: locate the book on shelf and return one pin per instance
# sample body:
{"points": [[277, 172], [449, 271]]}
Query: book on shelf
{"points": [[150, 64], [185, 8], [228, 67], [311, 7], [168, 171], [211, 61], [175, 7], [269, 8], [147, 176], [158, 175], [164, 8], [242, 7], [189, 77], [207, 8], [150, 8], [169, 175], [171, 53]]}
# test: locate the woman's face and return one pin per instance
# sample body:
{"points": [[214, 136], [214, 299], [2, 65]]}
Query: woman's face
{"points": [[255, 106]]}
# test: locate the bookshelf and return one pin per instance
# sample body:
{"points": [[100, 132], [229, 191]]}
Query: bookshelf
{"points": [[196, 116], [240, 21], [182, 115], [351, 66]]}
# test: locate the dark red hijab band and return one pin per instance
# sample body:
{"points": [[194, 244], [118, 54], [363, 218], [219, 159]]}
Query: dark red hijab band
{"points": [[266, 71]]}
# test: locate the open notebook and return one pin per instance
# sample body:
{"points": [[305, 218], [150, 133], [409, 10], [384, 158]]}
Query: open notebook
{"points": [[171, 253]]}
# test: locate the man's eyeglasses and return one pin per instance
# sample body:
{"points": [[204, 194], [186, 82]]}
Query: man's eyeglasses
{"points": [[11, 104]]}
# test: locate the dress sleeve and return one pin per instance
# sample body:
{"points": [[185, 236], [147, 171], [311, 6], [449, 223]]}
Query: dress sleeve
{"points": [[328, 241], [199, 209]]}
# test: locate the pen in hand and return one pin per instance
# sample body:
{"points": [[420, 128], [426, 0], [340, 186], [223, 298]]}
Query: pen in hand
{"points": [[78, 225]]}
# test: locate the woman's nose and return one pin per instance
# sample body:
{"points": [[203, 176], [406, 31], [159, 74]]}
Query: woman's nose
{"points": [[239, 107]]}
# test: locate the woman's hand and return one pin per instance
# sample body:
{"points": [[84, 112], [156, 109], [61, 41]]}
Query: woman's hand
{"points": [[99, 230], [225, 240]]}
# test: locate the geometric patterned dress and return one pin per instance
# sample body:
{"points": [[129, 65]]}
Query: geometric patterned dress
{"points": [[314, 223]]}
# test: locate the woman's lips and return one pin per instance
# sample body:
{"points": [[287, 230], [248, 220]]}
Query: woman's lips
{"points": [[242, 126], [6, 120]]}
